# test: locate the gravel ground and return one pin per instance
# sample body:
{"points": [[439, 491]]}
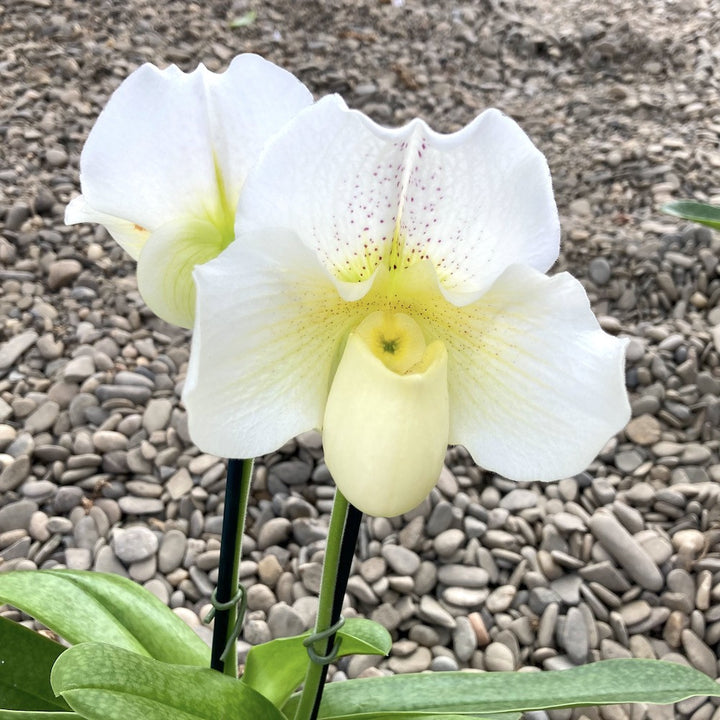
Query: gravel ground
{"points": [[98, 471]]}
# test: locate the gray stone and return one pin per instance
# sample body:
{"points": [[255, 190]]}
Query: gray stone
{"points": [[464, 639], [134, 393], [283, 621], [600, 271], [499, 658], [260, 597], [132, 505], [274, 531], [67, 498], [699, 654], [17, 215], [431, 611], [465, 597], [416, 662], [109, 440], [292, 472], [63, 273], [171, 550], [574, 636], [448, 542], [500, 599], [306, 607], [425, 578], [43, 418], [387, 616], [440, 518], [78, 558], [519, 499], [568, 588], [463, 576], [310, 576], [85, 532], [308, 530], [400, 559], [256, 632], [16, 515], [79, 368], [13, 349], [626, 551], [628, 460], [159, 588], [606, 575], [635, 612], [15, 474], [443, 663], [179, 484], [134, 544], [157, 414], [105, 561]]}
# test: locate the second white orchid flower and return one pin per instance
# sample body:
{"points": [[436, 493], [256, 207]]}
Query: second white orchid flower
{"points": [[389, 288], [165, 163]]}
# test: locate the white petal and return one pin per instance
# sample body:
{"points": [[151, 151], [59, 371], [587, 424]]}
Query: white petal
{"points": [[478, 201], [335, 183], [250, 102], [385, 434], [473, 202], [266, 339], [166, 264], [536, 387], [128, 235], [171, 144]]}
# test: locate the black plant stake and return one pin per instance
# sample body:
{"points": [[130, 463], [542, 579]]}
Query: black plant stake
{"points": [[229, 597]]}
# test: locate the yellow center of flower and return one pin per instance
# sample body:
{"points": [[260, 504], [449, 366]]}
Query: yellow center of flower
{"points": [[395, 339]]}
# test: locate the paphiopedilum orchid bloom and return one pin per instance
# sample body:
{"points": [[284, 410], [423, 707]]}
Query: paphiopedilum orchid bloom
{"points": [[389, 288], [163, 167]]}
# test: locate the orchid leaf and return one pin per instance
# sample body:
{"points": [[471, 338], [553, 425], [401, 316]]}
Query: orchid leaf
{"points": [[244, 20], [288, 657], [695, 211], [26, 659], [85, 606], [468, 693], [37, 715], [102, 682]]}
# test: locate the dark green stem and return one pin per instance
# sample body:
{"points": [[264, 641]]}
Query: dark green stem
{"points": [[332, 590]]}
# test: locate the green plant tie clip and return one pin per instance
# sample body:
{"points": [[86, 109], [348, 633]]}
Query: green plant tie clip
{"points": [[310, 640], [239, 599]]}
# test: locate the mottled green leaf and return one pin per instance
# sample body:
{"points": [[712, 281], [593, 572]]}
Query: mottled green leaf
{"points": [[102, 682], [88, 606], [471, 693]]}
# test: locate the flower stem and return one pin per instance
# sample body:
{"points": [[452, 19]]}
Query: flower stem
{"points": [[237, 491], [341, 541]]}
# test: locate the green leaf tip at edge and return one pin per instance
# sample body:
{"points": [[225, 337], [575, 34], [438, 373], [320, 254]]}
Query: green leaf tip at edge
{"points": [[607, 682], [244, 20], [37, 715], [26, 659], [698, 212], [84, 606]]}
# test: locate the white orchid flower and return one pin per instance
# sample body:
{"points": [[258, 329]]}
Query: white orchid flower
{"points": [[164, 165], [389, 288]]}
